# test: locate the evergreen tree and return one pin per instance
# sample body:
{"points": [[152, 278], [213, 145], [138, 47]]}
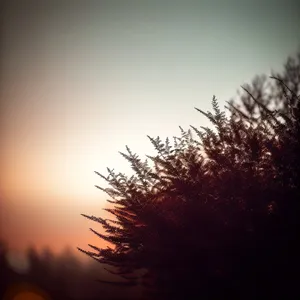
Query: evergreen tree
{"points": [[218, 214]]}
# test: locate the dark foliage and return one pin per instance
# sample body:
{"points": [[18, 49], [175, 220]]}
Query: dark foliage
{"points": [[217, 215]]}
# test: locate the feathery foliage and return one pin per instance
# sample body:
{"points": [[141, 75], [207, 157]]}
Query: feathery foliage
{"points": [[218, 214]]}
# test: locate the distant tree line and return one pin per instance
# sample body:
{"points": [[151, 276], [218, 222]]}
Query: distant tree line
{"points": [[56, 277]]}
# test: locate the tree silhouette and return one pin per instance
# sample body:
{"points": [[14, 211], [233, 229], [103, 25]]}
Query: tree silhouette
{"points": [[279, 92], [217, 215]]}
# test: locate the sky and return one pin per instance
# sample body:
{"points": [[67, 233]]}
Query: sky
{"points": [[79, 80]]}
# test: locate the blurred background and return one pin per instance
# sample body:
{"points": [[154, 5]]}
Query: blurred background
{"points": [[82, 79]]}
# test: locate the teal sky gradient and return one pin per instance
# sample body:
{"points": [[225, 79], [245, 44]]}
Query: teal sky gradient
{"points": [[80, 80]]}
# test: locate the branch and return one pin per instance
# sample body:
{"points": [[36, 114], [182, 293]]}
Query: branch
{"points": [[282, 82], [239, 111]]}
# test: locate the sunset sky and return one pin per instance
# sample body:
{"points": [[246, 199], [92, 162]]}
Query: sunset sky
{"points": [[82, 79]]}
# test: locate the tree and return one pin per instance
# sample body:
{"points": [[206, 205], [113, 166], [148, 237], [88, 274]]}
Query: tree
{"points": [[217, 214], [277, 93]]}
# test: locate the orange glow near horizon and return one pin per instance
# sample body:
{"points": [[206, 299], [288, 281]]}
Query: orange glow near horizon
{"points": [[79, 82], [25, 291]]}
